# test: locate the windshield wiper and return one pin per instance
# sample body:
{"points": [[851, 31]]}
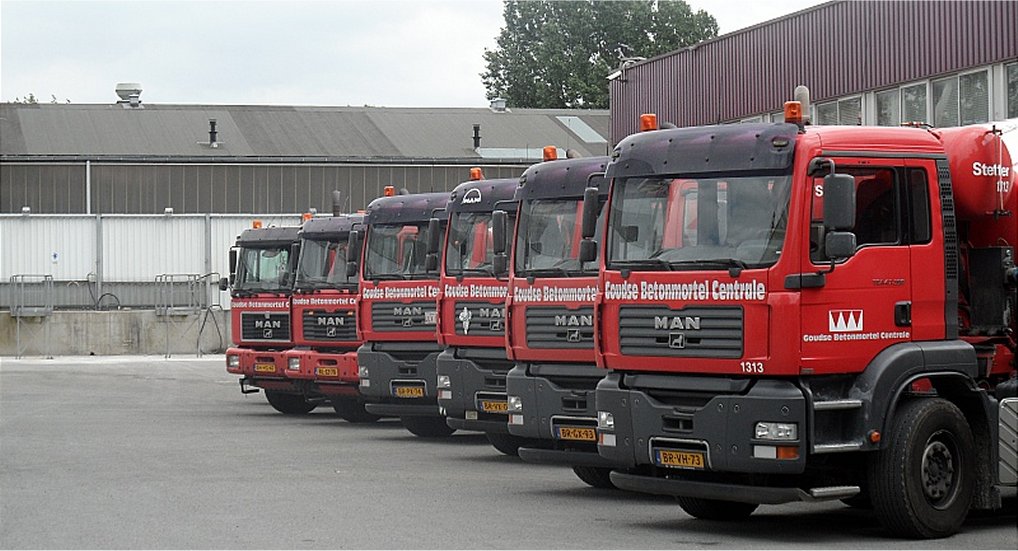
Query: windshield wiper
{"points": [[386, 277], [645, 263], [734, 265], [482, 271]]}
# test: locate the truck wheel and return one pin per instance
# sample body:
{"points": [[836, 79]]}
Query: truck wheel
{"points": [[922, 484], [598, 477], [505, 443], [290, 404], [715, 509], [427, 427], [352, 410]]}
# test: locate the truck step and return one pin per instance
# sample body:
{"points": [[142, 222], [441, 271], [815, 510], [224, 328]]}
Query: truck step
{"points": [[833, 492], [832, 405], [837, 447]]}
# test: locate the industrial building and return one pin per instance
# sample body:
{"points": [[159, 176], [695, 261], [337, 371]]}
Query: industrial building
{"points": [[871, 63]]}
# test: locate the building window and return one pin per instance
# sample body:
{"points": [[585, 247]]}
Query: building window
{"points": [[888, 103], [913, 103], [1012, 90], [961, 100], [945, 102], [846, 112]]}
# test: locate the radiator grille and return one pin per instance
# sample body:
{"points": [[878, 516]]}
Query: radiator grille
{"points": [[398, 316], [480, 319], [559, 327], [330, 326], [699, 332], [265, 326]]}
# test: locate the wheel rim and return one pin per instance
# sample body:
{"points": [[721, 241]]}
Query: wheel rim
{"points": [[940, 470]]}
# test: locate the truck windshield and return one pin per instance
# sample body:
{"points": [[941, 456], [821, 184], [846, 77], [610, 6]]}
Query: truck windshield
{"points": [[468, 249], [396, 251], [548, 241], [697, 223], [322, 265], [263, 269]]}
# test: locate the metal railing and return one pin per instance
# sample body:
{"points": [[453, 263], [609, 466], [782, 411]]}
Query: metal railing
{"points": [[186, 300], [31, 299]]}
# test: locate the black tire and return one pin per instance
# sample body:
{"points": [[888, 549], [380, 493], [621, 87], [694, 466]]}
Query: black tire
{"points": [[922, 484], [289, 404], [427, 427], [352, 410], [505, 443], [715, 509], [598, 477]]}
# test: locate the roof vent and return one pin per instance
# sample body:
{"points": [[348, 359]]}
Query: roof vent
{"points": [[130, 95], [498, 105]]}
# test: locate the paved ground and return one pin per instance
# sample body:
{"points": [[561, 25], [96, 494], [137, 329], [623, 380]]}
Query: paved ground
{"points": [[153, 453]]}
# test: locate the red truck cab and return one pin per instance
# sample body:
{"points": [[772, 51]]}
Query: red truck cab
{"points": [[324, 357], [471, 370], [550, 308], [794, 313], [397, 313], [261, 280]]}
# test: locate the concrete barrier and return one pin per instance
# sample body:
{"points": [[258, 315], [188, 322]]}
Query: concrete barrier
{"points": [[65, 333]]}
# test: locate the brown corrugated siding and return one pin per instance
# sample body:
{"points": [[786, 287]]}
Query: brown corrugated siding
{"points": [[835, 49]]}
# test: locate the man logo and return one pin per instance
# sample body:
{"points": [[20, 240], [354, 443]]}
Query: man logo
{"points": [[844, 321], [330, 332], [573, 335], [472, 196], [676, 340], [266, 333], [495, 325], [408, 322]]}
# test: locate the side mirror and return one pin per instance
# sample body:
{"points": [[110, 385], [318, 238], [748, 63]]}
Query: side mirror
{"points": [[353, 243], [224, 284], [351, 268], [434, 235], [294, 251], [588, 226], [498, 231], [431, 260], [233, 265], [500, 263], [588, 250], [629, 233], [839, 245], [839, 202]]}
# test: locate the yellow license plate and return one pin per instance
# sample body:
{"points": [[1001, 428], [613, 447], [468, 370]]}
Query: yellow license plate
{"points": [[681, 460], [577, 433], [327, 371], [265, 368], [409, 392], [494, 406]]}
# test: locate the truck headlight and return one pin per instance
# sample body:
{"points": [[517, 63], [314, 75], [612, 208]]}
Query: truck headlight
{"points": [[605, 420], [293, 363], [362, 372], [766, 430], [444, 381], [514, 404], [233, 360]]}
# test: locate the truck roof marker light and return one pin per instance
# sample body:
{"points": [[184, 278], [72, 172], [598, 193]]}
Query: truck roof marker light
{"points": [[550, 153], [793, 112], [648, 122], [256, 224], [306, 216], [476, 173], [389, 191]]}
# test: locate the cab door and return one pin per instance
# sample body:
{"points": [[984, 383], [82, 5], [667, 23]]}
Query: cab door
{"points": [[858, 310]]}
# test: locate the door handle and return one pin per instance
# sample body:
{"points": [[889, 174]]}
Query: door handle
{"points": [[903, 313]]}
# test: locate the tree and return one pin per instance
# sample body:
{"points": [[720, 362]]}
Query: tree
{"points": [[554, 54]]}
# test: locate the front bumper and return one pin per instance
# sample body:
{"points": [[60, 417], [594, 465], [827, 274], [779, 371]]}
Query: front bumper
{"points": [[556, 397], [711, 416], [325, 373], [394, 367], [476, 397], [727, 492]]}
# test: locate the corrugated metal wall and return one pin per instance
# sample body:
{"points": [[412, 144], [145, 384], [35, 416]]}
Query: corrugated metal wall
{"points": [[91, 255], [835, 49], [217, 188]]}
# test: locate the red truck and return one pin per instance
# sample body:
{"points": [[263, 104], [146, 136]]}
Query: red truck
{"points": [[550, 309], [261, 279], [397, 313], [324, 358], [795, 313], [471, 312]]}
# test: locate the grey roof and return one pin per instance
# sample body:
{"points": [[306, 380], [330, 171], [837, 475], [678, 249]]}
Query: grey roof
{"points": [[96, 130]]}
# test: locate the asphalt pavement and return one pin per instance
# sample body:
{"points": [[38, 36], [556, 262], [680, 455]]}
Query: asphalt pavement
{"points": [[147, 452]]}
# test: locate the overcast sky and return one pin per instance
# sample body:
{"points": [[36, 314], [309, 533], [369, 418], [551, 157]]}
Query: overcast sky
{"points": [[424, 53]]}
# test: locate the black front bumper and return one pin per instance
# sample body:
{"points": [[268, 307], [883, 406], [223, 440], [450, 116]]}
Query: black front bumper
{"points": [[554, 396], [392, 365], [476, 376], [714, 416], [725, 491]]}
